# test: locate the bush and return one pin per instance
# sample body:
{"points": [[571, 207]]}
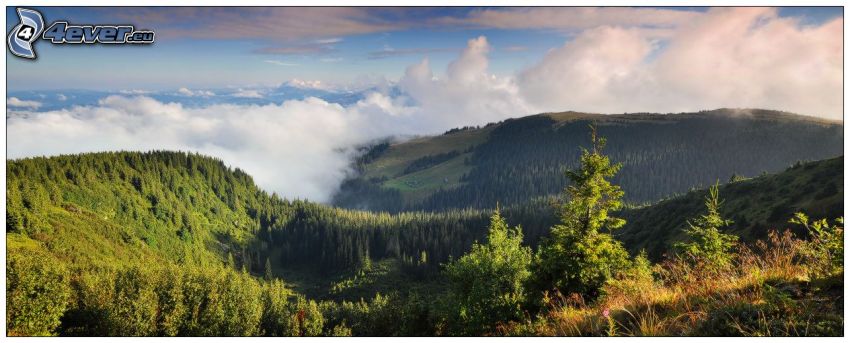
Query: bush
{"points": [[824, 251], [635, 284], [275, 318], [37, 293], [133, 310], [305, 319], [708, 246], [488, 282]]}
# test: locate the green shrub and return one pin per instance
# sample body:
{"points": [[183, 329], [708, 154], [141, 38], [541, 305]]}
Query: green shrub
{"points": [[488, 282], [305, 318], [133, 310], [824, 250], [275, 318], [37, 293], [708, 246]]}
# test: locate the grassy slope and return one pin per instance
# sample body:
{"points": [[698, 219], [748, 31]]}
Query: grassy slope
{"points": [[416, 185], [86, 230], [755, 205], [419, 185]]}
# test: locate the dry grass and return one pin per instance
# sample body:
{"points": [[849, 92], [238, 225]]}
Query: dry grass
{"points": [[761, 294]]}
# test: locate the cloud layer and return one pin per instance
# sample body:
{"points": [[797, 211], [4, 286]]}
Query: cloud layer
{"points": [[297, 148], [729, 57], [735, 57]]}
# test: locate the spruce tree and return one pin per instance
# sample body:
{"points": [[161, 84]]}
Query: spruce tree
{"points": [[580, 254], [268, 274], [708, 246]]}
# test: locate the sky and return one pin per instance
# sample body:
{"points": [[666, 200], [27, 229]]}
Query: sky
{"points": [[287, 93]]}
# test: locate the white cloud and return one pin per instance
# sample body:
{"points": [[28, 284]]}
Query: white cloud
{"points": [[188, 92], [307, 84], [61, 97], [466, 94], [248, 93], [729, 57], [15, 102], [281, 63], [328, 41], [133, 92], [297, 148]]}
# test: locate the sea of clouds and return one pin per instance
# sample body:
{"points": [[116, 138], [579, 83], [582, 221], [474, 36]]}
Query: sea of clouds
{"points": [[298, 139]]}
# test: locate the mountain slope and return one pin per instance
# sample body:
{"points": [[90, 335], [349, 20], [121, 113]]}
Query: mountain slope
{"points": [[122, 207], [114, 207], [517, 160], [94, 239], [754, 205]]}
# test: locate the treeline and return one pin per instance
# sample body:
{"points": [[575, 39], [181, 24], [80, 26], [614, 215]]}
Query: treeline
{"points": [[429, 161], [169, 243], [333, 239], [581, 280], [662, 156], [194, 209], [755, 206]]}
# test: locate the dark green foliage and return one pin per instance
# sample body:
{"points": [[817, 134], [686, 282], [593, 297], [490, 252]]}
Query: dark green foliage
{"points": [[707, 245], [166, 243], [429, 161], [578, 257], [488, 282], [755, 206], [662, 155]]}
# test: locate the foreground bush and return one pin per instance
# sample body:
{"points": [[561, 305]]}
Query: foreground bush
{"points": [[772, 291], [37, 294]]}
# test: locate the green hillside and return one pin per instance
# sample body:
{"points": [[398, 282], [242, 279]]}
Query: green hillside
{"points": [[755, 206], [514, 161], [185, 245]]}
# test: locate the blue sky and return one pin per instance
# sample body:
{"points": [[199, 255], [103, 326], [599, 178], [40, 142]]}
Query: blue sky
{"points": [[186, 59], [287, 93]]}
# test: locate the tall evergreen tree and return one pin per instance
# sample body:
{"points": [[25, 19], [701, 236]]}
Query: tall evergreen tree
{"points": [[578, 256]]}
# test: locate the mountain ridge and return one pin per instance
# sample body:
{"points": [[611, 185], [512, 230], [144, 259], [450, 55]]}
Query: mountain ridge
{"points": [[537, 146]]}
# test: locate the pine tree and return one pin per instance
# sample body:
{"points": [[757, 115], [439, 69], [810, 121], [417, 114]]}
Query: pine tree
{"points": [[708, 246], [578, 257], [268, 275], [488, 282]]}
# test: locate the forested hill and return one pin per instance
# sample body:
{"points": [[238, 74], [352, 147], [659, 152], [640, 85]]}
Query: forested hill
{"points": [[118, 208], [517, 160], [99, 237]]}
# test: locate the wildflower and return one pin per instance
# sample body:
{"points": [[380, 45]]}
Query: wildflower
{"points": [[605, 313]]}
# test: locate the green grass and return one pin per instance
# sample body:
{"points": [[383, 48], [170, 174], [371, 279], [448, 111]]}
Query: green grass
{"points": [[398, 156], [755, 205], [415, 186], [387, 169]]}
